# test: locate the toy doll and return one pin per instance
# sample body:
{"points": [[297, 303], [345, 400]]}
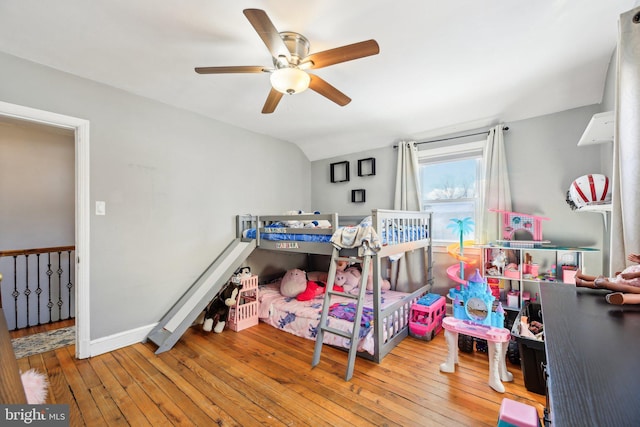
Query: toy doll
{"points": [[625, 282]]}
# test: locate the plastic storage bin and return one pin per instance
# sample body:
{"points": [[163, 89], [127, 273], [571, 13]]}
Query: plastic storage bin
{"points": [[244, 313], [532, 351], [425, 318]]}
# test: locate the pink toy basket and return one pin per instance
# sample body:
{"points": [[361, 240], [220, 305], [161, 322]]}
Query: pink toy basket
{"points": [[244, 313]]}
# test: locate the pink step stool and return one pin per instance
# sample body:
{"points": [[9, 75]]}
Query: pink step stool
{"points": [[516, 414]]}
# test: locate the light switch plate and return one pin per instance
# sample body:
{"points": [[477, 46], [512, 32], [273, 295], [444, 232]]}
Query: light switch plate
{"points": [[101, 208]]}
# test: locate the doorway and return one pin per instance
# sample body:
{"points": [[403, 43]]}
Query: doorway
{"points": [[80, 128]]}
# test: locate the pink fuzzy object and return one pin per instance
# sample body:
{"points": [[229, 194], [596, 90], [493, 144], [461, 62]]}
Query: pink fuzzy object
{"points": [[35, 387]]}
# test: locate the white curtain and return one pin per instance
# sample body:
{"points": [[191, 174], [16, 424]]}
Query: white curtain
{"points": [[495, 190], [407, 273], [407, 195], [625, 215]]}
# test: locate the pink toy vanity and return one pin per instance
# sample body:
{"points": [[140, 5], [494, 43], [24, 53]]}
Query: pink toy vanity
{"points": [[497, 340]]}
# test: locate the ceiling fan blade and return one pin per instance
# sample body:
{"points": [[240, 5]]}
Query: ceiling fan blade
{"points": [[325, 89], [267, 32], [226, 70], [272, 101], [342, 54]]}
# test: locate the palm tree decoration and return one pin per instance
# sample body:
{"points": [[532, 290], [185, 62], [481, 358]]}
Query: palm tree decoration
{"points": [[462, 226]]}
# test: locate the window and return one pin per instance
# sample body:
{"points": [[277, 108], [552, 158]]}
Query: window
{"points": [[450, 178]]}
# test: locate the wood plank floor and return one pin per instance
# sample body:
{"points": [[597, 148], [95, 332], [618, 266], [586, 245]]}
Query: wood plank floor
{"points": [[262, 376]]}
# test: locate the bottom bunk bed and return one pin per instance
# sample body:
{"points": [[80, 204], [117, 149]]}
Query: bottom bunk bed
{"points": [[301, 318]]}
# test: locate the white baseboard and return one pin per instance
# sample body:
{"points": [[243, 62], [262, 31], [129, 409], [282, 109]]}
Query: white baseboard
{"points": [[119, 340]]}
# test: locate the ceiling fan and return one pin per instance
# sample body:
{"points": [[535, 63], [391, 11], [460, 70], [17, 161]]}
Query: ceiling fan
{"points": [[291, 59]]}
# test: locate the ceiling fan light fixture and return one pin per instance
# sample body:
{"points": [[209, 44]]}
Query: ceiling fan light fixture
{"points": [[290, 80]]}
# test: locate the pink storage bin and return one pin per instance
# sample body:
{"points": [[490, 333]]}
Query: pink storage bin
{"points": [[532, 269], [512, 273], [512, 298]]}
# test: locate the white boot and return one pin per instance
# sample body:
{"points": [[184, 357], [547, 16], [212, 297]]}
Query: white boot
{"points": [[219, 327], [207, 325]]}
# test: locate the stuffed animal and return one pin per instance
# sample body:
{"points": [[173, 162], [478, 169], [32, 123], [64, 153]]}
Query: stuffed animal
{"points": [[319, 223], [351, 280], [385, 284], [298, 284], [293, 283], [242, 273], [215, 317], [318, 276], [318, 288], [356, 272], [306, 223]]}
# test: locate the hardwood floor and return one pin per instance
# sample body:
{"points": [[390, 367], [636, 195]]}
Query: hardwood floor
{"points": [[262, 376]]}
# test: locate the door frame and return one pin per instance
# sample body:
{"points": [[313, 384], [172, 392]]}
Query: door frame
{"points": [[82, 209]]}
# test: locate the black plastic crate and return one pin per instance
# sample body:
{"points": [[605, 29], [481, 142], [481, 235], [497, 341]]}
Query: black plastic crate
{"points": [[532, 352]]}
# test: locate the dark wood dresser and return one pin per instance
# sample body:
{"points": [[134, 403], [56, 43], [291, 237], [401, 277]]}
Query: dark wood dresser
{"points": [[593, 357]]}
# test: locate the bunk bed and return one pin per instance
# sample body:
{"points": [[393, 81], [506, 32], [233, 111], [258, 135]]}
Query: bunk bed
{"points": [[398, 232]]}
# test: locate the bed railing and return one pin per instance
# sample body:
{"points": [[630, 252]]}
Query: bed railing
{"points": [[401, 226], [400, 231]]}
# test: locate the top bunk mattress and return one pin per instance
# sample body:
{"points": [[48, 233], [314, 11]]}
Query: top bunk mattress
{"points": [[278, 232]]}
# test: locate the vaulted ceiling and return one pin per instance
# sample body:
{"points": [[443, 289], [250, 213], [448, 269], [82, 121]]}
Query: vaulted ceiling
{"points": [[443, 66]]}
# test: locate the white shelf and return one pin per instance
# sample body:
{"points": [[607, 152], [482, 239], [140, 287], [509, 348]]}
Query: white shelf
{"points": [[599, 130], [556, 255], [596, 207]]}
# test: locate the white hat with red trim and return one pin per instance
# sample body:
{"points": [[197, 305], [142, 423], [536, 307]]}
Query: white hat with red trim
{"points": [[589, 190]]}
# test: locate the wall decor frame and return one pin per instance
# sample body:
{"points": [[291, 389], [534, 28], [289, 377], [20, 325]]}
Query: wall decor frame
{"points": [[340, 171], [367, 167], [358, 196]]}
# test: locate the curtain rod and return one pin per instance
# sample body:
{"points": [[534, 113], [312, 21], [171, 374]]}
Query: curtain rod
{"points": [[486, 132]]}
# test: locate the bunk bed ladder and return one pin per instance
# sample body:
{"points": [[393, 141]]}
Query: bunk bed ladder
{"points": [[323, 326]]}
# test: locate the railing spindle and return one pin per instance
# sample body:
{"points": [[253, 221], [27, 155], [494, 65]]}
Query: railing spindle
{"points": [[38, 289], [60, 303], [27, 291], [69, 283], [15, 293], [49, 274]]}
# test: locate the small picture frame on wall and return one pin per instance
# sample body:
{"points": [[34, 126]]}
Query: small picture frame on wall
{"points": [[358, 196], [367, 167], [340, 171]]}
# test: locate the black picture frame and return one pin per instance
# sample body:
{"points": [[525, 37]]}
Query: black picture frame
{"points": [[340, 171], [358, 196], [367, 167]]}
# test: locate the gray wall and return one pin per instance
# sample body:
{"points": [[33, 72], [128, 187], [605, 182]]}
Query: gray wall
{"points": [[172, 181], [336, 197], [543, 159], [36, 185]]}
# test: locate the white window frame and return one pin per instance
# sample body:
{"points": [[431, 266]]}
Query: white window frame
{"points": [[453, 153]]}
